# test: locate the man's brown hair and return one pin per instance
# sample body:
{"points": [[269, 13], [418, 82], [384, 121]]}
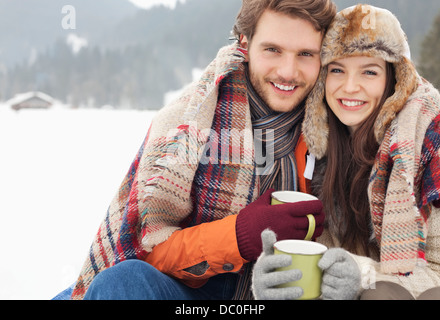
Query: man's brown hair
{"points": [[319, 12]]}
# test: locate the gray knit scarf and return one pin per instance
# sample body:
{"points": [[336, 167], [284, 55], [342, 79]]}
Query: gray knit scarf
{"points": [[278, 133]]}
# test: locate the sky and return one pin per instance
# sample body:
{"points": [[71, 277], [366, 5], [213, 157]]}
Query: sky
{"points": [[147, 4]]}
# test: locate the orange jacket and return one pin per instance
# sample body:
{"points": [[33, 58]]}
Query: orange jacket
{"points": [[212, 244]]}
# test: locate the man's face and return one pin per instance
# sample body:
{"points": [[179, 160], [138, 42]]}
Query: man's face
{"points": [[284, 60]]}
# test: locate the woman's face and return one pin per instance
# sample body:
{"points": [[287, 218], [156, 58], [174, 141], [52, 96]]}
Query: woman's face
{"points": [[354, 88]]}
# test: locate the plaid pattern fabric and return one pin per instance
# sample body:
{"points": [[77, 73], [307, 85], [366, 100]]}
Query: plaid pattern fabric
{"points": [[429, 178], [405, 181], [222, 177], [157, 195]]}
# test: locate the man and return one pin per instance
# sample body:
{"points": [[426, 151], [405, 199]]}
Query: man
{"points": [[186, 223]]}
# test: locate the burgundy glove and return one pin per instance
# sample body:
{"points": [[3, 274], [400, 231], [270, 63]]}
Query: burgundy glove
{"points": [[288, 221]]}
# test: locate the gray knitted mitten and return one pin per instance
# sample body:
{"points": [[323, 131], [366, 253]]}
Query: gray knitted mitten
{"points": [[341, 276], [264, 279]]}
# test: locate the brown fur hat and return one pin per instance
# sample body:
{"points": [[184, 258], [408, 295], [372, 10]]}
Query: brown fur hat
{"points": [[362, 30]]}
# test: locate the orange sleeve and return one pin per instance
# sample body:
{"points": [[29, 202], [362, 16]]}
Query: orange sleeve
{"points": [[213, 244], [301, 161]]}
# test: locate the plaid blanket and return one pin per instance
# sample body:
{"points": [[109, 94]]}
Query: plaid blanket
{"points": [[405, 181], [165, 188]]}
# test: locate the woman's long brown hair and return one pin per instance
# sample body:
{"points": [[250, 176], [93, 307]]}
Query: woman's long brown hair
{"points": [[350, 158]]}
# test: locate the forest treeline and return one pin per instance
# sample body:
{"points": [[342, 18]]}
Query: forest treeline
{"points": [[133, 62]]}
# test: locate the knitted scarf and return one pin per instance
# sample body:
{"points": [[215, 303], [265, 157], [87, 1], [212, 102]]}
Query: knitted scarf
{"points": [[279, 136], [405, 181], [276, 135]]}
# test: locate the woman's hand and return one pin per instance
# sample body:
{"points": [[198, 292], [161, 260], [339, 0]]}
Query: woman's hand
{"points": [[265, 278], [341, 275]]}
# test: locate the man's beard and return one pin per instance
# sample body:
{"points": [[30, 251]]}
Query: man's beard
{"points": [[262, 88]]}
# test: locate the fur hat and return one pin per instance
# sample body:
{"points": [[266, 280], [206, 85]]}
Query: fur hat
{"points": [[362, 30]]}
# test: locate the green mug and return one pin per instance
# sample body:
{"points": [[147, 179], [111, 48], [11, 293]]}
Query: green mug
{"points": [[305, 257], [280, 197]]}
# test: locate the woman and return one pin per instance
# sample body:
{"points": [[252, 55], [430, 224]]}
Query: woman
{"points": [[374, 125]]}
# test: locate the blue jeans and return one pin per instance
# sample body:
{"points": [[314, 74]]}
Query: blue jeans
{"points": [[137, 280]]}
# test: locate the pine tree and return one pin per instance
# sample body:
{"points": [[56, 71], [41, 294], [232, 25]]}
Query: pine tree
{"points": [[429, 65]]}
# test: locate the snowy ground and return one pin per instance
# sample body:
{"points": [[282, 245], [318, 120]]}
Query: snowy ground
{"points": [[59, 170]]}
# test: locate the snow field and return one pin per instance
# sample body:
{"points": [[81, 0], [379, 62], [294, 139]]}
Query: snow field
{"points": [[59, 170]]}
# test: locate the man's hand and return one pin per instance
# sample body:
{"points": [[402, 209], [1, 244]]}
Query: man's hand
{"points": [[288, 221]]}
